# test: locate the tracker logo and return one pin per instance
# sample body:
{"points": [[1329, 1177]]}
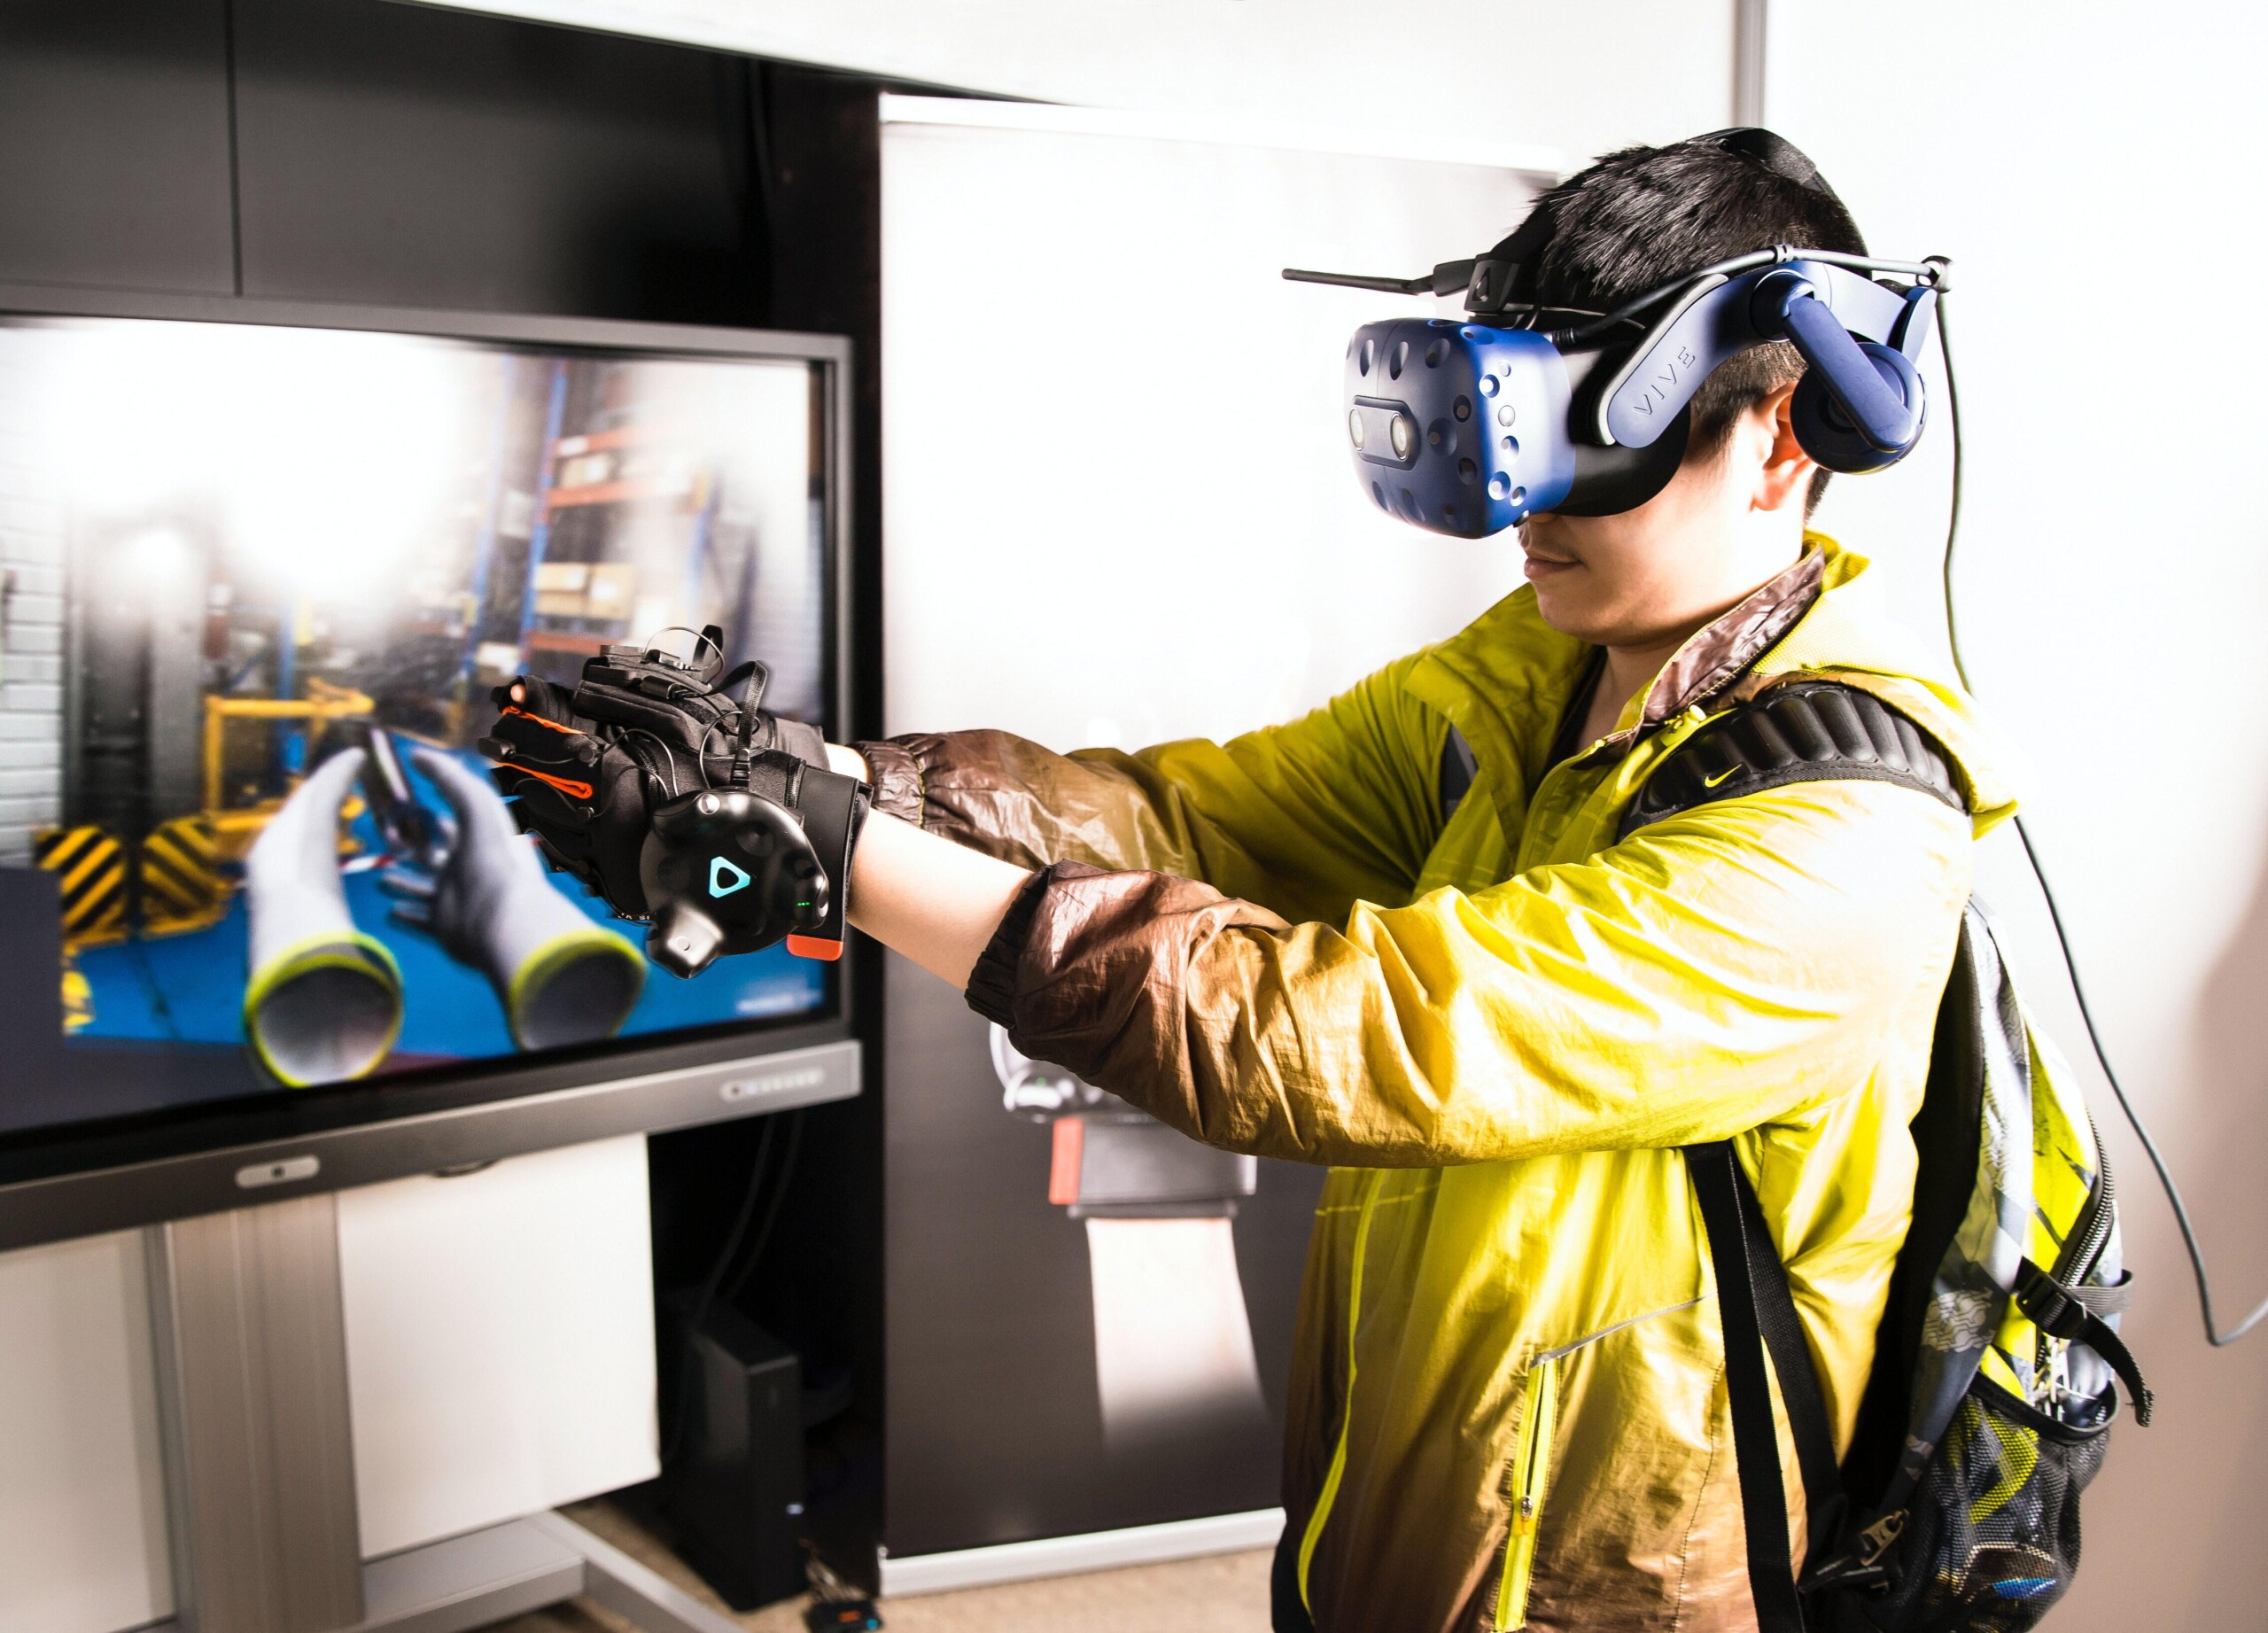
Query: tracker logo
{"points": [[724, 878]]}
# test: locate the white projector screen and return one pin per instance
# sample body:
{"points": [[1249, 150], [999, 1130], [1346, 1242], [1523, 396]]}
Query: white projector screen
{"points": [[1117, 503], [1118, 508]]}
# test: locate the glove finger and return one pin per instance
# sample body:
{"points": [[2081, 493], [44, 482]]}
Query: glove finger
{"points": [[569, 838], [519, 736], [548, 798], [539, 697], [557, 860], [332, 783], [550, 829]]}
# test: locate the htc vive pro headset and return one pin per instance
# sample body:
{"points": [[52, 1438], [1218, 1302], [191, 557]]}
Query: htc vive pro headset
{"points": [[1469, 428]]}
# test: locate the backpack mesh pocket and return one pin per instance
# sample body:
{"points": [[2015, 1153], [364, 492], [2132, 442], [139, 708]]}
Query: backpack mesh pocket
{"points": [[1997, 1512]]}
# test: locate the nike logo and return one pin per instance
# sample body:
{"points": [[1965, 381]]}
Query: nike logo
{"points": [[1710, 782]]}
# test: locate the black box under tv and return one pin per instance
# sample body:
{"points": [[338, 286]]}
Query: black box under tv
{"points": [[733, 1487]]}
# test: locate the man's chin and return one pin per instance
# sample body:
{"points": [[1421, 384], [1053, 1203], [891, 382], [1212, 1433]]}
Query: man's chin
{"points": [[1566, 609]]}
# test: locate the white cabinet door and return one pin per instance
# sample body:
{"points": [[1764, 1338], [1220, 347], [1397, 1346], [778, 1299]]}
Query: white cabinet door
{"points": [[83, 1522], [499, 1340]]}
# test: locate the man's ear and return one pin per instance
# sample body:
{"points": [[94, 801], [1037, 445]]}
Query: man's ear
{"points": [[1783, 477]]}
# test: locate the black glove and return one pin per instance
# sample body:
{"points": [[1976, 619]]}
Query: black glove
{"points": [[583, 796], [683, 804], [687, 730]]}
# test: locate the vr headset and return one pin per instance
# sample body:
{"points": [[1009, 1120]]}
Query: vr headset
{"points": [[1469, 428]]}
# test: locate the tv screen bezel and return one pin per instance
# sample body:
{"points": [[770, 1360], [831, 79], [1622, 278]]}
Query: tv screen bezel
{"points": [[171, 1161]]}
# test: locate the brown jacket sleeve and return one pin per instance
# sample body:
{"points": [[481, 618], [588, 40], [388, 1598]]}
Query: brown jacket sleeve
{"points": [[1308, 817], [1711, 973]]}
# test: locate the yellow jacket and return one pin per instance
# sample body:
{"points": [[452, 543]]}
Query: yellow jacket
{"points": [[1508, 1407]]}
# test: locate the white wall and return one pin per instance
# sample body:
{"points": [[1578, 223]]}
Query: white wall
{"points": [[2092, 170], [1576, 77]]}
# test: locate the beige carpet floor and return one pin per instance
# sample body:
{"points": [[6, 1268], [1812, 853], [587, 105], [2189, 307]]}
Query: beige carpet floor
{"points": [[1226, 1593]]}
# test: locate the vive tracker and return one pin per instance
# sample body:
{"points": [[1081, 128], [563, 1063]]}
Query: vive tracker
{"points": [[681, 804], [1469, 428]]}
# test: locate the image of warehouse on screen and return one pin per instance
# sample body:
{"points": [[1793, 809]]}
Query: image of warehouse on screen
{"points": [[247, 839]]}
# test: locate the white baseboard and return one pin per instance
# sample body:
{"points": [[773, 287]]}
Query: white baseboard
{"points": [[1097, 1550]]}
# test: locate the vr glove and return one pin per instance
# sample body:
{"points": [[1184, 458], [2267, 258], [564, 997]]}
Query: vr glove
{"points": [[679, 803], [581, 795]]}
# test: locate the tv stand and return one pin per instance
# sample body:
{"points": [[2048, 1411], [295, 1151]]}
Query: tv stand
{"points": [[260, 1468]]}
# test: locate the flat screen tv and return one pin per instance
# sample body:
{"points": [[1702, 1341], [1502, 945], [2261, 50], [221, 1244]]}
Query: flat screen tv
{"points": [[263, 565]]}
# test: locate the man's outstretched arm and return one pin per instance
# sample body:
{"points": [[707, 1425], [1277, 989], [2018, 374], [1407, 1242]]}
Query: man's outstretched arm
{"points": [[1305, 818], [935, 902]]}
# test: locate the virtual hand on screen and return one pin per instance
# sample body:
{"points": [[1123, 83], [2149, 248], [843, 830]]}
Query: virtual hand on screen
{"points": [[483, 895]]}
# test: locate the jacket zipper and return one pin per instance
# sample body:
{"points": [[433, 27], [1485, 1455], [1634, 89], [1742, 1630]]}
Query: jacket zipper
{"points": [[1531, 1475], [1330, 1494], [2076, 1262], [1531, 1470]]}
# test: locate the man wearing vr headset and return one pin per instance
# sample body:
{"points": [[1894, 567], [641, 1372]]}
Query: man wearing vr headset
{"points": [[1499, 1024], [1410, 937]]}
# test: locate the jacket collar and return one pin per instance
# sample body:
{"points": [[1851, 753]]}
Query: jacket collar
{"points": [[1720, 651], [1506, 681]]}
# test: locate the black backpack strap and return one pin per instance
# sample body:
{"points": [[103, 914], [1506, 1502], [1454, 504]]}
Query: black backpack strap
{"points": [[1759, 1318], [2076, 1314], [1800, 731]]}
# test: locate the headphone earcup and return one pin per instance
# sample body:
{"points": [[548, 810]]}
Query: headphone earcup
{"points": [[1825, 431]]}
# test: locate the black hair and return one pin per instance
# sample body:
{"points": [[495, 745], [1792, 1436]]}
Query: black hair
{"points": [[1642, 216]]}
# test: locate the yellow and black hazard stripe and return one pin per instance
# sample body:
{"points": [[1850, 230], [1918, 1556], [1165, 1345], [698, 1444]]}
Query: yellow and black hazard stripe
{"points": [[90, 864], [182, 885]]}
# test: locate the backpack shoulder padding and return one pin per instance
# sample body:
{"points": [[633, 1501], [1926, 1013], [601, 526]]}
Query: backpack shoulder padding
{"points": [[1801, 731], [1816, 731]]}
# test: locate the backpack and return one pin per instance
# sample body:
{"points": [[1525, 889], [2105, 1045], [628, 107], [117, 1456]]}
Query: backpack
{"points": [[1989, 1407]]}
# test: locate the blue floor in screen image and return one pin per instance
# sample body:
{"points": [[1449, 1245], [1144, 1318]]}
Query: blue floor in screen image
{"points": [[190, 988]]}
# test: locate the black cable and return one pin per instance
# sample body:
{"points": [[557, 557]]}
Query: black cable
{"points": [[2213, 1335], [772, 1214], [760, 680], [725, 1257], [667, 776]]}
